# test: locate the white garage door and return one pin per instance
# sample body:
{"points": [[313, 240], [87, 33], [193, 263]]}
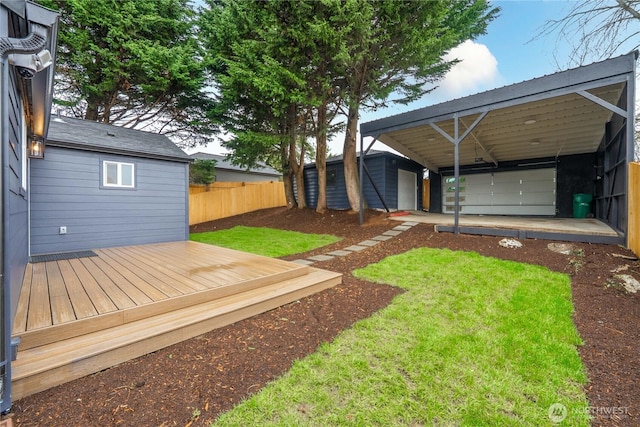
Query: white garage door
{"points": [[531, 192], [407, 190]]}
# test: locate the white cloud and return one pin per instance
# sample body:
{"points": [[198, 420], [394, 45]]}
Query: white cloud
{"points": [[477, 71]]}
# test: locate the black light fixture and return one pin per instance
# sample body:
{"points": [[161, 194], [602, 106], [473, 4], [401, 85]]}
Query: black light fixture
{"points": [[36, 148]]}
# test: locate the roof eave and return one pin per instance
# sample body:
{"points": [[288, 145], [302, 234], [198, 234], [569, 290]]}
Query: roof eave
{"points": [[116, 151]]}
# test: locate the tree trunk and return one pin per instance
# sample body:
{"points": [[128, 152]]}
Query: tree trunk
{"points": [[289, 194], [287, 177], [321, 157], [298, 170], [92, 110], [297, 167], [350, 159]]}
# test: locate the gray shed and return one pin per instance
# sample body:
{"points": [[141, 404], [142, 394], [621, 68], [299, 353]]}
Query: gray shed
{"points": [[103, 186], [527, 149], [228, 172], [393, 182]]}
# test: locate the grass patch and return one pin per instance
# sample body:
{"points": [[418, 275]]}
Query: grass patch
{"points": [[474, 341], [264, 241]]}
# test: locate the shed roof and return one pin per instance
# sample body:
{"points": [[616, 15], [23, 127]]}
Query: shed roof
{"points": [[81, 134], [223, 163], [370, 154], [559, 114]]}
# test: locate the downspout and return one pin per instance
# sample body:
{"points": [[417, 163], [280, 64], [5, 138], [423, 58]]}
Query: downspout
{"points": [[33, 43], [5, 323]]}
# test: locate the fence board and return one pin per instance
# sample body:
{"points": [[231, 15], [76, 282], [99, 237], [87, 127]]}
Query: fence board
{"points": [[633, 206], [229, 199]]}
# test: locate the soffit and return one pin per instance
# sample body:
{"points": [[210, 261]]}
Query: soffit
{"points": [[565, 124]]}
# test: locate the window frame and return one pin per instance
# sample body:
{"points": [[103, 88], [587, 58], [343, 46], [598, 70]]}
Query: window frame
{"points": [[119, 167]]}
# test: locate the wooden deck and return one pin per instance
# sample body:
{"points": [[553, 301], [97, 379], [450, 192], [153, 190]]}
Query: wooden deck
{"points": [[82, 315]]}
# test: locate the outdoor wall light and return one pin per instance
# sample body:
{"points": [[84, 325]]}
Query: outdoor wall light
{"points": [[36, 148], [529, 121]]}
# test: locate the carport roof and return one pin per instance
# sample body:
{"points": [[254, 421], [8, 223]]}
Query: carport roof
{"points": [[559, 114]]}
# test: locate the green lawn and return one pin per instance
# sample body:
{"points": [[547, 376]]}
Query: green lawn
{"points": [[473, 341], [264, 241]]}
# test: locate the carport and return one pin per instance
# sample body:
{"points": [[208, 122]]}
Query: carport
{"points": [[527, 150]]}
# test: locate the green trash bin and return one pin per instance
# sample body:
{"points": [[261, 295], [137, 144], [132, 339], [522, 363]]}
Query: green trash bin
{"points": [[581, 205]]}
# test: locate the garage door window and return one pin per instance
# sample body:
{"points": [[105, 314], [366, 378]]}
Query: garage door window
{"points": [[118, 174]]}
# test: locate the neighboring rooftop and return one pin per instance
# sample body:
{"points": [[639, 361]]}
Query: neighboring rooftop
{"points": [[81, 134], [223, 163]]}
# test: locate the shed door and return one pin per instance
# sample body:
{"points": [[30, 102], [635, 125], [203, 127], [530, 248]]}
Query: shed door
{"points": [[530, 192], [407, 190]]}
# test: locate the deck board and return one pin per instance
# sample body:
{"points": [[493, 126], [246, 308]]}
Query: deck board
{"points": [[147, 278], [80, 300], [99, 298], [20, 320], [122, 262], [129, 288], [182, 284], [39, 306], [150, 291], [61, 307], [170, 268]]}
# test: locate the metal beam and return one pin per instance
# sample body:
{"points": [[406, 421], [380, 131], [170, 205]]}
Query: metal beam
{"points": [[603, 103], [391, 142], [484, 149]]}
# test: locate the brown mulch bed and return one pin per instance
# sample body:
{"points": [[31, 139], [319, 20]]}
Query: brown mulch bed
{"points": [[191, 383]]}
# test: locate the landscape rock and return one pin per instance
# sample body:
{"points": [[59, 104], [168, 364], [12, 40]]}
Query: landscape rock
{"points": [[561, 248], [510, 243], [630, 284]]}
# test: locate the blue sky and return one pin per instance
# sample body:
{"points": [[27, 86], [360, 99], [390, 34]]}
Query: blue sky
{"points": [[509, 53]]}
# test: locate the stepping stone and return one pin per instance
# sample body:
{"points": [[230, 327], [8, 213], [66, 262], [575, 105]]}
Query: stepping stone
{"points": [[355, 248], [410, 223], [339, 253], [320, 258], [391, 233], [381, 238], [402, 227], [302, 262], [369, 243]]}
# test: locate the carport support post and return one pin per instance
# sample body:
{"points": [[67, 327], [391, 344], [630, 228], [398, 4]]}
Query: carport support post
{"points": [[456, 174], [361, 168], [631, 114]]}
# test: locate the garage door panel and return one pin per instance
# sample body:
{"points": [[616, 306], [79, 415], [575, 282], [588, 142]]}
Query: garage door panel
{"points": [[529, 192]]}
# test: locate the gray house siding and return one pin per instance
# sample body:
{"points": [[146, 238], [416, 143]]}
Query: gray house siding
{"points": [[66, 191], [16, 209], [383, 168]]}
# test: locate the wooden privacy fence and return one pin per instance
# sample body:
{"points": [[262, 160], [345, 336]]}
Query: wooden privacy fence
{"points": [[224, 199], [633, 208]]}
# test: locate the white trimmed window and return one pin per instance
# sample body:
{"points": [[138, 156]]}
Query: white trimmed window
{"points": [[118, 174]]}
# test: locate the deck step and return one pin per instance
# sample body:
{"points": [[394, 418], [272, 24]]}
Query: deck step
{"points": [[40, 368], [39, 337]]}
